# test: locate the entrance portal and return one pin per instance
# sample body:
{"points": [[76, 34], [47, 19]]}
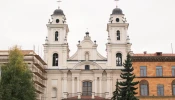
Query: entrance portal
{"points": [[87, 88]]}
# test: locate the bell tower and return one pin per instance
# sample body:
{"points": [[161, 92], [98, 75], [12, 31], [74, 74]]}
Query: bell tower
{"points": [[56, 48], [118, 40]]}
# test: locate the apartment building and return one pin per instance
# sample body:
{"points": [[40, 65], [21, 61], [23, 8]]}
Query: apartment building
{"points": [[36, 65]]}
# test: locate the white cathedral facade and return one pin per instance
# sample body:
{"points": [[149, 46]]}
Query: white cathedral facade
{"points": [[87, 72]]}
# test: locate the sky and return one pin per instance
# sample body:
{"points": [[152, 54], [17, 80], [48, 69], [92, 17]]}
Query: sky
{"points": [[151, 23]]}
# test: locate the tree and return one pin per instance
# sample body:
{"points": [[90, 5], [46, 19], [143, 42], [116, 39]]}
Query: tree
{"points": [[126, 89], [116, 92], [16, 79]]}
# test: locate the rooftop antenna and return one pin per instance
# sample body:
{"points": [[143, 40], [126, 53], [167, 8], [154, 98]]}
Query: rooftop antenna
{"points": [[59, 1], [172, 47], [116, 3], [34, 48]]}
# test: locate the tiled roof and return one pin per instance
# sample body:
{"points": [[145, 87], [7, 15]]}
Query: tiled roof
{"points": [[153, 54]]}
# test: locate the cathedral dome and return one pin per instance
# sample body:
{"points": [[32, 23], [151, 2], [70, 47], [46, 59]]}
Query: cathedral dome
{"points": [[117, 11], [58, 12]]}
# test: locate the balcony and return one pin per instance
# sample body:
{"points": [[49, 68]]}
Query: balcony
{"points": [[39, 65], [39, 73], [39, 81], [78, 96], [39, 89]]}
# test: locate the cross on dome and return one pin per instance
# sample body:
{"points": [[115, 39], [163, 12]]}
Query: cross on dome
{"points": [[59, 1], [116, 2]]}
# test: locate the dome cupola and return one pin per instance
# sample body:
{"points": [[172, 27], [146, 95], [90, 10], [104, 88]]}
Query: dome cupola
{"points": [[117, 11], [58, 12]]}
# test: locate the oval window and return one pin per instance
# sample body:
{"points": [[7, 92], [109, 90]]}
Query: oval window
{"points": [[117, 20], [57, 20]]}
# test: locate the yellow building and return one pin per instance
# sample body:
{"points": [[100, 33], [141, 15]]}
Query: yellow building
{"points": [[36, 65]]}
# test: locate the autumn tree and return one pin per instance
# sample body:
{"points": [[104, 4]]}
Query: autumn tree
{"points": [[16, 79]]}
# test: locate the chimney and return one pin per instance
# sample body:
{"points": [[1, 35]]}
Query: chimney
{"points": [[158, 53]]}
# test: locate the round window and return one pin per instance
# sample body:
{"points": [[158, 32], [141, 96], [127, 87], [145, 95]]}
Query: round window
{"points": [[57, 20], [117, 20]]}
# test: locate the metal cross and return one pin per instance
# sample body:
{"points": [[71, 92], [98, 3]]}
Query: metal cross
{"points": [[116, 2], [59, 3]]}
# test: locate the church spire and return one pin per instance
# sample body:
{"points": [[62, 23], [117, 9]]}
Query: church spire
{"points": [[59, 1], [116, 3]]}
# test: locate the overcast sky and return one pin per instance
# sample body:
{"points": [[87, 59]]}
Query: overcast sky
{"points": [[151, 29]]}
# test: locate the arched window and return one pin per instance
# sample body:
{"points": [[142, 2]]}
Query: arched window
{"points": [[144, 89], [56, 36], [119, 59], [86, 56], [54, 92], [117, 20], [57, 20], [55, 59], [173, 87], [118, 35]]}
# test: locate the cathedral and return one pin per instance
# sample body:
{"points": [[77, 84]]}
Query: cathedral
{"points": [[89, 75], [87, 72]]}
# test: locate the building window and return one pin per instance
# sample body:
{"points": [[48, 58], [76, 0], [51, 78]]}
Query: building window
{"points": [[56, 36], [144, 90], [173, 87], [87, 67], [118, 59], [160, 90], [118, 35], [159, 71], [55, 59], [57, 20], [143, 71], [54, 93], [117, 20], [173, 71]]}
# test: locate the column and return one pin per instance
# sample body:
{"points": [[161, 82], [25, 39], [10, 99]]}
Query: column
{"points": [[78, 88], [78, 84], [108, 86], [95, 86], [65, 87], [65, 83], [62, 87], [111, 90], [73, 84], [109, 82], [100, 85]]}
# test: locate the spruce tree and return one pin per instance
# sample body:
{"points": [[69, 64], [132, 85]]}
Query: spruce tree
{"points": [[127, 87], [16, 79], [116, 92]]}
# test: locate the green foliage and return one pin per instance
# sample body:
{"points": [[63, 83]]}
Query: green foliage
{"points": [[116, 92], [16, 81], [126, 89]]}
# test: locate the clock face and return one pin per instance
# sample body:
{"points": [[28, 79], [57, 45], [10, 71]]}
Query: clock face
{"points": [[117, 20], [57, 20]]}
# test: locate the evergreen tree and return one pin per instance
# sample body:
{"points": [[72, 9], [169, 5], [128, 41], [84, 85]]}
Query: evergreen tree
{"points": [[116, 92], [127, 87], [16, 79]]}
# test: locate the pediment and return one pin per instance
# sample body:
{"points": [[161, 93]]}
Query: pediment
{"points": [[92, 65], [87, 50]]}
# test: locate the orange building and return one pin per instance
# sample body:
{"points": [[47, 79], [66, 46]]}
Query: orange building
{"points": [[156, 74]]}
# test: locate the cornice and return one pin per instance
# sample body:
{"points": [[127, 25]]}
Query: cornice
{"points": [[153, 58]]}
